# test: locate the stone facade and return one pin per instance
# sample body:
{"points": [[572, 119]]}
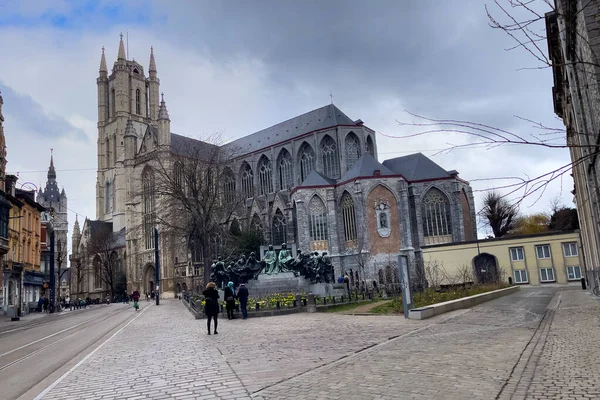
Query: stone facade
{"points": [[574, 42], [312, 181]]}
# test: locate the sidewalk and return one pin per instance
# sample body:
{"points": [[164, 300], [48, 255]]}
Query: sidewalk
{"points": [[569, 364]]}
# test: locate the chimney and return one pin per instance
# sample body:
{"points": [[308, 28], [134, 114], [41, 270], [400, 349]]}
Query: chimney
{"points": [[11, 183]]}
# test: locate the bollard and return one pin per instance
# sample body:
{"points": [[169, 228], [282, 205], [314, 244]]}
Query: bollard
{"points": [[278, 305], [257, 307], [583, 283], [295, 303], [333, 299], [510, 281], [304, 302], [312, 304], [324, 300]]}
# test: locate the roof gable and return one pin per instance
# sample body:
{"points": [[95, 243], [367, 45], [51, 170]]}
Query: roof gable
{"points": [[366, 165], [316, 179], [416, 167]]}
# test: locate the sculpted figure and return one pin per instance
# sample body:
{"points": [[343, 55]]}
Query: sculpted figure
{"points": [[269, 261], [285, 258], [253, 266]]}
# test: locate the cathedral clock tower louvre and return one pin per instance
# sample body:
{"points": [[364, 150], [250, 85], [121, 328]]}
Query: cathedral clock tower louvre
{"points": [[126, 94]]}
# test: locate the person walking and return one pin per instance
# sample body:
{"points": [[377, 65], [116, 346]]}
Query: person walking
{"points": [[136, 298], [211, 305], [229, 294], [242, 295]]}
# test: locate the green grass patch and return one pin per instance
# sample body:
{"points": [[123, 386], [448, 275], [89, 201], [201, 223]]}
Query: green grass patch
{"points": [[348, 306], [430, 296]]}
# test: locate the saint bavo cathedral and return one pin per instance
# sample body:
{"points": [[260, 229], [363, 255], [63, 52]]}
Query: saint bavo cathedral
{"points": [[313, 182]]}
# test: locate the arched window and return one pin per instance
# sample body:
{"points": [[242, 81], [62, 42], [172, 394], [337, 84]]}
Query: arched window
{"points": [[352, 147], [107, 153], [138, 102], [349, 217], [265, 176], [318, 220], [331, 160], [148, 198], [370, 147], [247, 181], [107, 200], [306, 158], [178, 176], [435, 213], [97, 272], [284, 170], [279, 231], [256, 223], [113, 103], [229, 186]]}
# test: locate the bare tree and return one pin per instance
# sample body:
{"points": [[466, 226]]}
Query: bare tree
{"points": [[464, 275], [195, 198], [102, 249], [498, 213]]}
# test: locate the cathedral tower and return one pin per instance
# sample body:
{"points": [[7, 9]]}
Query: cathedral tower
{"points": [[127, 94]]}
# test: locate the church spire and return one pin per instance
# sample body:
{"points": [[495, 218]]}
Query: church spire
{"points": [[121, 49], [103, 62], [152, 61], [162, 110], [76, 230], [51, 170]]}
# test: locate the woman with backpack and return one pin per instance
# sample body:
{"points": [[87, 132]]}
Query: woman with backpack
{"points": [[211, 305]]}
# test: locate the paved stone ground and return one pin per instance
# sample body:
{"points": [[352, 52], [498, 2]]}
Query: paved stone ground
{"points": [[512, 347]]}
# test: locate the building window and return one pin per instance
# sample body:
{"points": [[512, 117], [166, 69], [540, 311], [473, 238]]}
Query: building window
{"points": [[436, 217], [138, 101], [542, 251], [306, 156], [331, 160], [574, 272], [517, 254], [247, 181], [148, 198], [279, 231], [256, 224], [97, 272], [349, 217], [113, 102], [107, 193], [546, 275], [107, 153], [284, 173], [352, 147], [229, 186], [570, 249], [318, 219], [4, 212], [370, 147], [265, 176], [521, 276]]}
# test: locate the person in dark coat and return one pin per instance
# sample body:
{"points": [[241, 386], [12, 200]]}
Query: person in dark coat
{"points": [[211, 305], [242, 295], [229, 294]]}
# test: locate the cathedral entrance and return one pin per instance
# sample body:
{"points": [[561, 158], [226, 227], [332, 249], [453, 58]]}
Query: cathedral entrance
{"points": [[149, 279]]}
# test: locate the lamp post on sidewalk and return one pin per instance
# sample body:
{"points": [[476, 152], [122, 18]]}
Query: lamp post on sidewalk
{"points": [[18, 267], [157, 264]]}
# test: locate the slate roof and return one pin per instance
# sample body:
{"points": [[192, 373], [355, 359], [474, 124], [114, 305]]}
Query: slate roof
{"points": [[321, 118], [184, 145], [316, 179], [416, 167], [366, 165]]}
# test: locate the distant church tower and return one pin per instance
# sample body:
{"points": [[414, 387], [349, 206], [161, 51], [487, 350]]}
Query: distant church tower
{"points": [[55, 202], [127, 98]]}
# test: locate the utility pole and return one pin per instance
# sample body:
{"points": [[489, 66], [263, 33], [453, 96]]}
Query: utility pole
{"points": [[52, 298], [157, 265]]}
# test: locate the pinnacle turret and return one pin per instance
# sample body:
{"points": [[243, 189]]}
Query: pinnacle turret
{"points": [[51, 170], [121, 49], [103, 67], [162, 110], [152, 61], [76, 230]]}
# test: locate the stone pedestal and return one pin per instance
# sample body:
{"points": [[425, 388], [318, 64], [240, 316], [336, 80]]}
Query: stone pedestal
{"points": [[286, 282]]}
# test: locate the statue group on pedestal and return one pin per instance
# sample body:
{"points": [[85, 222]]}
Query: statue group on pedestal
{"points": [[317, 268]]}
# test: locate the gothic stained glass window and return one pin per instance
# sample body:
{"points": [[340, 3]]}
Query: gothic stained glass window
{"points": [[349, 217], [318, 219], [436, 214], [149, 211], [256, 224], [107, 200], [247, 181], [229, 186], [352, 148], [306, 158], [113, 103], [265, 176], [138, 104], [279, 229], [284, 170], [331, 160], [97, 272]]}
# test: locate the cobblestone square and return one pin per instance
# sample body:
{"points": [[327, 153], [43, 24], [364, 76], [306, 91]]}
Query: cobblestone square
{"points": [[528, 345]]}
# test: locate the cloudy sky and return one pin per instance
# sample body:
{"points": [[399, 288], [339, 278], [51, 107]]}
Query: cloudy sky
{"points": [[236, 67]]}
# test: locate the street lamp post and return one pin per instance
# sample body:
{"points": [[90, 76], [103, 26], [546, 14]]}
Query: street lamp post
{"points": [[17, 314], [52, 298], [157, 264]]}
